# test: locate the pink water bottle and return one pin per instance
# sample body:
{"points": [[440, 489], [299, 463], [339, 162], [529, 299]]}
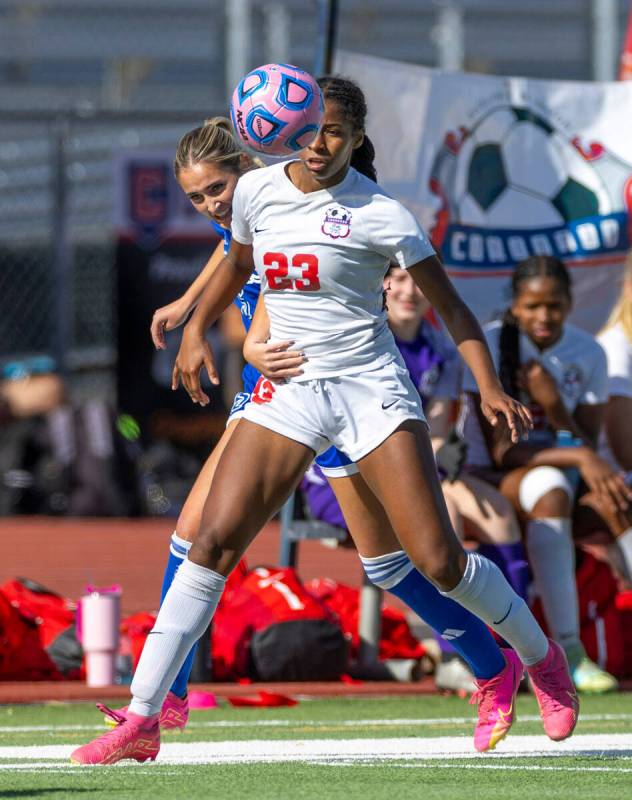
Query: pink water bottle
{"points": [[100, 621]]}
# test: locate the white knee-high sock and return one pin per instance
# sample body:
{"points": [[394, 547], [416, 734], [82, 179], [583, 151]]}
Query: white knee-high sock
{"points": [[484, 591], [624, 545], [183, 617], [552, 557]]}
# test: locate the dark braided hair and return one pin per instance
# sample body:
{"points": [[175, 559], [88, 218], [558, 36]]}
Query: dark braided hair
{"points": [[509, 344], [350, 97]]}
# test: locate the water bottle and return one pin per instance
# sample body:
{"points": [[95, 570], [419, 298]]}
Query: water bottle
{"points": [[100, 621], [568, 439]]}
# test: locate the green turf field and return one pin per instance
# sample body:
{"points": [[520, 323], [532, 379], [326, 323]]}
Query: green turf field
{"points": [[367, 748]]}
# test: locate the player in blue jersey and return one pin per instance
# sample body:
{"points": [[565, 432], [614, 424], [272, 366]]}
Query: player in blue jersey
{"points": [[201, 161], [323, 285]]}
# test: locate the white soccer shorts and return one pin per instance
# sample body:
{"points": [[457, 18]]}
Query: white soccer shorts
{"points": [[355, 413]]}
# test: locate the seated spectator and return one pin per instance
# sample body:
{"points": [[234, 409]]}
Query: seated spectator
{"points": [[30, 387], [59, 459], [560, 372]]}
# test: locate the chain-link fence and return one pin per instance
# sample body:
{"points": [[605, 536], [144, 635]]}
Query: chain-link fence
{"points": [[58, 307], [56, 229]]}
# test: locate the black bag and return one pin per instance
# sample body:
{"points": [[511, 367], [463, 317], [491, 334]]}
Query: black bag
{"points": [[279, 652]]}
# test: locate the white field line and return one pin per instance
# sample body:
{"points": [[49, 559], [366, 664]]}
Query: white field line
{"points": [[65, 766], [496, 766], [345, 751], [297, 723]]}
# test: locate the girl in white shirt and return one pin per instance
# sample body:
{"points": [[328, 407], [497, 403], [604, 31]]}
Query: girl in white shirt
{"points": [[559, 371]]}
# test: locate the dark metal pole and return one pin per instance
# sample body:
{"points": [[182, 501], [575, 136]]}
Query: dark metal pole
{"points": [[202, 668], [327, 31], [369, 622], [288, 553], [62, 255]]}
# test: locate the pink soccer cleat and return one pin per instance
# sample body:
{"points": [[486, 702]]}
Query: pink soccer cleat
{"points": [[134, 737], [496, 703], [555, 693], [174, 714]]}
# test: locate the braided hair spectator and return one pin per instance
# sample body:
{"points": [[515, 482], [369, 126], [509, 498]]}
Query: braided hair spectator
{"points": [[559, 371], [509, 347]]}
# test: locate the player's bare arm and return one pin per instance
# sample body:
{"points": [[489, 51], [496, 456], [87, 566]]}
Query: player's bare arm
{"points": [[195, 352], [174, 314], [463, 326]]}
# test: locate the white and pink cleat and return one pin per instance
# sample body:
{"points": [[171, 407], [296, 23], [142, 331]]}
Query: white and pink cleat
{"points": [[174, 714], [555, 693], [133, 737]]}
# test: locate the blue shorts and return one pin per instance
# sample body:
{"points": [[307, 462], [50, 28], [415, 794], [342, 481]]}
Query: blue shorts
{"points": [[333, 462]]}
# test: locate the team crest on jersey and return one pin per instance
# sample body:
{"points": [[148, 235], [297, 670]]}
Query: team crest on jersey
{"points": [[572, 380], [337, 222], [428, 381]]}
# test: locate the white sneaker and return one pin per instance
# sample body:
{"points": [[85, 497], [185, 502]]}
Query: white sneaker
{"points": [[454, 676]]}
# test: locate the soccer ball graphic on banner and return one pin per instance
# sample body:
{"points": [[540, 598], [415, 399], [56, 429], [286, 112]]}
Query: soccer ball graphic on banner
{"points": [[513, 169], [277, 109]]}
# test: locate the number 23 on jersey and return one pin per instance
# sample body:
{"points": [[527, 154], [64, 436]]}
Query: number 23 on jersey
{"points": [[303, 276]]}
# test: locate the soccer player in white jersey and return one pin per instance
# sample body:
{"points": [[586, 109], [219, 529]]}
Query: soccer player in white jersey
{"points": [[560, 372], [616, 441], [207, 166], [322, 236]]}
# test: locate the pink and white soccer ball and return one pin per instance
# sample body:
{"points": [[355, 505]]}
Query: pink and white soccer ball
{"points": [[277, 109]]}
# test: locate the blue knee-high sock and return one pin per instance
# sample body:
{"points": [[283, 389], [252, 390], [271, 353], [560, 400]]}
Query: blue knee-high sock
{"points": [[511, 559], [178, 550], [469, 635]]}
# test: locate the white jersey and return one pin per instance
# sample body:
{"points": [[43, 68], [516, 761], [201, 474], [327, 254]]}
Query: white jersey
{"points": [[618, 349], [576, 362], [322, 258]]}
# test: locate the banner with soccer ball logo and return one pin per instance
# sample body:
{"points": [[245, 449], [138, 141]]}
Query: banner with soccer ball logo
{"points": [[497, 169]]}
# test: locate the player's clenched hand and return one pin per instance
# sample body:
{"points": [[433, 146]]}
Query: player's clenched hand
{"points": [[194, 353], [166, 319], [274, 360], [495, 402]]}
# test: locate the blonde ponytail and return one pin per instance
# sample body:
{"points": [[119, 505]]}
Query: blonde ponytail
{"points": [[621, 314], [214, 142]]}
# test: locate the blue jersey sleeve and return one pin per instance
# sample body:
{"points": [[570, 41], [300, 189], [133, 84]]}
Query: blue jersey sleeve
{"points": [[246, 300], [224, 233]]}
